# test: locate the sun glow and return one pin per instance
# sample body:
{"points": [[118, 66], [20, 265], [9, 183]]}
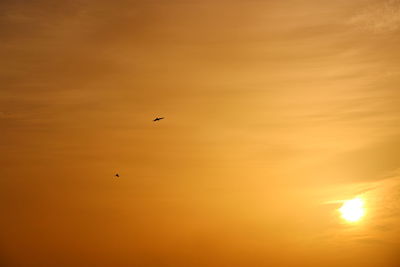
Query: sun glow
{"points": [[352, 210]]}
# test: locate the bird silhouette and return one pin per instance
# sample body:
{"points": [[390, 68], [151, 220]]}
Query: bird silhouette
{"points": [[158, 118], [116, 175]]}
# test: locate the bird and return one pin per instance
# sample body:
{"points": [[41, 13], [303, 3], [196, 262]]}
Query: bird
{"points": [[117, 175], [158, 118]]}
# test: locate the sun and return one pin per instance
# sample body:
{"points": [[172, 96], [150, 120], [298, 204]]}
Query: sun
{"points": [[352, 210]]}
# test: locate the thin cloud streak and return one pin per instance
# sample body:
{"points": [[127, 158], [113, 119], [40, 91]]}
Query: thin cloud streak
{"points": [[378, 17]]}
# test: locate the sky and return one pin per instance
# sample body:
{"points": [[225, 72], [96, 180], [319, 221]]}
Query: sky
{"points": [[276, 113]]}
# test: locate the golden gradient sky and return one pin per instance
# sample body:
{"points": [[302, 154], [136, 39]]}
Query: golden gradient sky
{"points": [[276, 112]]}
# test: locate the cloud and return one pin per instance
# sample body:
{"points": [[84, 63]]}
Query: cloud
{"points": [[378, 17], [383, 211], [6, 115]]}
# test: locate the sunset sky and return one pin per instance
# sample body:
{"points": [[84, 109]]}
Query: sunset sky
{"points": [[276, 113]]}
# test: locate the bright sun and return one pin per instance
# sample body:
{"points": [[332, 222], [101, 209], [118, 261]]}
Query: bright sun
{"points": [[352, 210]]}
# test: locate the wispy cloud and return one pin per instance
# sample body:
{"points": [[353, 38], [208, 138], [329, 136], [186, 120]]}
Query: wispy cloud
{"points": [[379, 17]]}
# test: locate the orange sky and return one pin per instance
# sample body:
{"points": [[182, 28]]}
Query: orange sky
{"points": [[276, 112]]}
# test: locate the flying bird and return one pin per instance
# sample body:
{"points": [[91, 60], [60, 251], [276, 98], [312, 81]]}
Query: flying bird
{"points": [[117, 175], [158, 118]]}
